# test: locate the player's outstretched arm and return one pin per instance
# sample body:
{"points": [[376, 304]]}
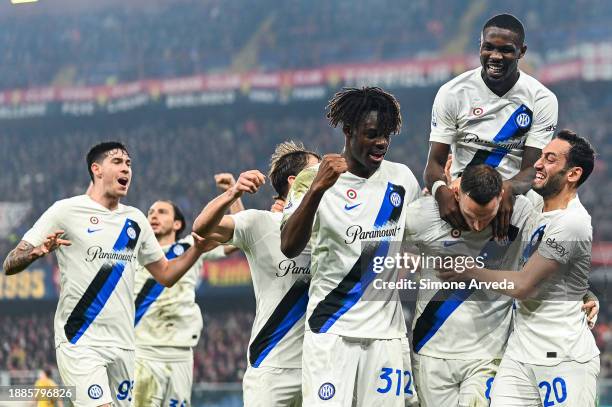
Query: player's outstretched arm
{"points": [[434, 172], [296, 231], [212, 222], [25, 253], [168, 272]]}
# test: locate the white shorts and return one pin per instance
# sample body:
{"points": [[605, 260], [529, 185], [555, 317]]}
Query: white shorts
{"points": [[569, 384], [163, 383], [100, 375], [454, 382], [272, 387], [339, 371]]}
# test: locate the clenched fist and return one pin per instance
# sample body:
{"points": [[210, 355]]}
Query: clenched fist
{"points": [[330, 169], [248, 181]]}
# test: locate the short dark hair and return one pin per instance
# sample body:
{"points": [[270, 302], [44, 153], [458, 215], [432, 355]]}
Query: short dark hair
{"points": [[481, 183], [581, 154], [289, 158], [507, 22], [98, 152], [48, 371], [178, 215], [351, 105]]}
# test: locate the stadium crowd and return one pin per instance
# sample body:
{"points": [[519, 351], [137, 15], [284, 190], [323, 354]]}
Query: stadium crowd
{"points": [[26, 343], [122, 43]]}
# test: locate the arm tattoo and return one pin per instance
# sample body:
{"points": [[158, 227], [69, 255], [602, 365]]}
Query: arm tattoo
{"points": [[19, 258]]}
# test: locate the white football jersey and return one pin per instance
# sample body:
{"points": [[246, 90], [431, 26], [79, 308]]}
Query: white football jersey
{"points": [[482, 127], [281, 290], [96, 303], [551, 327], [357, 219], [170, 317], [462, 323]]}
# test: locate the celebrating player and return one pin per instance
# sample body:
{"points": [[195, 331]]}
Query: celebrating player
{"points": [[453, 365], [551, 357], [350, 207], [273, 377], [168, 321], [496, 115], [99, 244]]}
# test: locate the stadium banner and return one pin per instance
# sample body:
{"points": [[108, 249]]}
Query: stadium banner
{"points": [[12, 215], [584, 61], [37, 282], [230, 275]]}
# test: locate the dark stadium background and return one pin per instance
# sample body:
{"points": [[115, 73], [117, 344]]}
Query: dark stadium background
{"points": [[199, 87]]}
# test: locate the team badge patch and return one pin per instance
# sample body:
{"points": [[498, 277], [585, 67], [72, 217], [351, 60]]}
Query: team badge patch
{"points": [[178, 250], [351, 194], [94, 220], [131, 232], [95, 391], [523, 120], [455, 233], [477, 111], [327, 391], [396, 199]]}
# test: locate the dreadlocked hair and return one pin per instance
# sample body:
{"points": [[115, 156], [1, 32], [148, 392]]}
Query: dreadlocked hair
{"points": [[351, 105], [289, 158]]}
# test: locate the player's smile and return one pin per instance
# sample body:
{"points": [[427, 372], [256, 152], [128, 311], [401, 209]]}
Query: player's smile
{"points": [[499, 54]]}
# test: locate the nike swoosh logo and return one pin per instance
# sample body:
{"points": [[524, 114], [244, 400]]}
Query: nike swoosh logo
{"points": [[93, 230], [454, 242], [348, 208]]}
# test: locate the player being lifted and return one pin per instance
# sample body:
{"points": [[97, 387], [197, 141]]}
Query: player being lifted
{"points": [[551, 357], [350, 207], [495, 115], [168, 321], [99, 244], [273, 377]]}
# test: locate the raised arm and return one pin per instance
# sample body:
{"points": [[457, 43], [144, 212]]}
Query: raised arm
{"points": [[434, 172], [296, 231], [212, 222], [25, 253]]}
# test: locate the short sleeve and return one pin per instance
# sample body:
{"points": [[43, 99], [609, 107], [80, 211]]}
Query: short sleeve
{"points": [[150, 251], [545, 114], [244, 223], [300, 186], [44, 226], [443, 118], [565, 240]]}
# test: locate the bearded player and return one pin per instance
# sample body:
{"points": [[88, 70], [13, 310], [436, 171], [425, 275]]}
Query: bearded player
{"points": [[551, 357], [168, 320]]}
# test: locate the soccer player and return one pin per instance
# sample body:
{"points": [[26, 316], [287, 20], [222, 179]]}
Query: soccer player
{"points": [[99, 244], [168, 321], [551, 357], [453, 365], [494, 114], [351, 207], [273, 377]]}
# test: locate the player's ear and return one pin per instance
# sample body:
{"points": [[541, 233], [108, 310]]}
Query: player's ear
{"points": [[290, 180], [346, 129], [177, 225], [574, 174], [523, 51], [96, 170]]}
